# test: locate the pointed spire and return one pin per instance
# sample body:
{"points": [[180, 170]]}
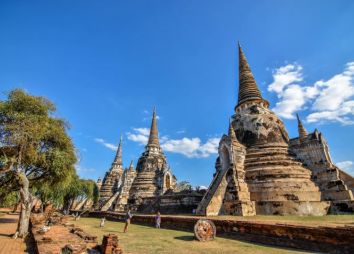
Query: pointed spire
{"points": [[154, 134], [248, 89], [232, 133], [118, 159], [131, 167], [301, 129]]}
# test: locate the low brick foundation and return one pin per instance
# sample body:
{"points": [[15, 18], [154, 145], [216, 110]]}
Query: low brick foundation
{"points": [[61, 236], [110, 245], [329, 239]]}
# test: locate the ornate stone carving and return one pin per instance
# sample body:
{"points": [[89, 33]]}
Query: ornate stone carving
{"points": [[204, 230]]}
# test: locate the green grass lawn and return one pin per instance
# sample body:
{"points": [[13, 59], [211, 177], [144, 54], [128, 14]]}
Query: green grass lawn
{"points": [[148, 240]]}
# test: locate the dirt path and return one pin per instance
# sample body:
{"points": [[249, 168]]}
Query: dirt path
{"points": [[8, 223]]}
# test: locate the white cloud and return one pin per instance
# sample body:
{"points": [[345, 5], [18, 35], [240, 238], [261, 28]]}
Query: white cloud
{"points": [[210, 147], [334, 102], [328, 100], [347, 166], [185, 146], [344, 114], [284, 76], [142, 131], [292, 96], [83, 169], [200, 187], [141, 135], [292, 99], [192, 147], [336, 90], [106, 144], [189, 147]]}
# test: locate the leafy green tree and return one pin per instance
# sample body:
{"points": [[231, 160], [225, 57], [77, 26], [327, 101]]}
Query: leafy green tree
{"points": [[63, 194], [8, 199], [35, 149], [79, 190]]}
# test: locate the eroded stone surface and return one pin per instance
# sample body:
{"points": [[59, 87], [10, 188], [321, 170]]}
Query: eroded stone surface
{"points": [[335, 185], [228, 193], [204, 230], [110, 245]]}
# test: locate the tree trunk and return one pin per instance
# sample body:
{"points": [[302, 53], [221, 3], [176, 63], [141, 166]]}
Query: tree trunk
{"points": [[67, 204], [26, 205]]}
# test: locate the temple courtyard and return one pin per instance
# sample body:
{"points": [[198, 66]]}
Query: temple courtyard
{"points": [[144, 240]]}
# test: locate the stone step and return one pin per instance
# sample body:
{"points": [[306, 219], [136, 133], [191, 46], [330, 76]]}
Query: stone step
{"points": [[270, 163], [290, 167], [275, 184], [273, 157], [292, 189], [266, 153], [260, 174]]}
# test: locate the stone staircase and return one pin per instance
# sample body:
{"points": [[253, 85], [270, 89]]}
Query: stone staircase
{"points": [[277, 179], [109, 203], [202, 207]]}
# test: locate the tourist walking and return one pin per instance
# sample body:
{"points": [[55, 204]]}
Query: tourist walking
{"points": [[102, 222], [158, 220], [128, 217]]}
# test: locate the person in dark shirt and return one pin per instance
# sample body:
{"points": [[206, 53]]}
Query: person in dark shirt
{"points": [[128, 217]]}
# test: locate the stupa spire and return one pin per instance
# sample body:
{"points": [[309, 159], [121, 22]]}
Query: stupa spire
{"points": [[131, 166], [154, 134], [118, 161], [301, 129], [232, 133], [248, 89]]}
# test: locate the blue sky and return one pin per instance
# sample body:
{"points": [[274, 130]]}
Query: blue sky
{"points": [[106, 64]]}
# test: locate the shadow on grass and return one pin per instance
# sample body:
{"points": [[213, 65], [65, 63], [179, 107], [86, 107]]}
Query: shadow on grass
{"points": [[187, 238]]}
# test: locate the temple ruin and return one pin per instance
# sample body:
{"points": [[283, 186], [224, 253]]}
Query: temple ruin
{"points": [[260, 171], [149, 188], [154, 176]]}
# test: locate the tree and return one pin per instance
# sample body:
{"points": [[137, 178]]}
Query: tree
{"points": [[8, 199], [35, 149], [184, 185], [80, 189], [63, 194]]}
